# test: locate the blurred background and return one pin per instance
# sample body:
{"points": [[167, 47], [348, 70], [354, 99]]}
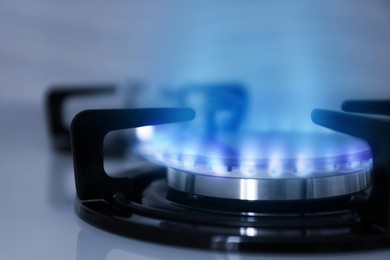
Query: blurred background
{"points": [[291, 56]]}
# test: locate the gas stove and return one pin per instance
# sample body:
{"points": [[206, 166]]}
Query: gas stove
{"points": [[230, 191], [300, 55]]}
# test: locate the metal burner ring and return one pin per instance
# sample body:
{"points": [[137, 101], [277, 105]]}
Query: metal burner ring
{"points": [[269, 189]]}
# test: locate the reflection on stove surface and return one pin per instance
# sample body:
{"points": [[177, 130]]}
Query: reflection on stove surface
{"points": [[96, 244]]}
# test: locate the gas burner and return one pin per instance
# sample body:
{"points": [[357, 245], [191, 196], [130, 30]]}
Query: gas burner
{"points": [[264, 166], [341, 203]]}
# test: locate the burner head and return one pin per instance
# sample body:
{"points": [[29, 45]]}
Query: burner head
{"points": [[264, 166]]}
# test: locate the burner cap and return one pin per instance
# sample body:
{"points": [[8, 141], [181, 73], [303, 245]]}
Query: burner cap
{"points": [[264, 166]]}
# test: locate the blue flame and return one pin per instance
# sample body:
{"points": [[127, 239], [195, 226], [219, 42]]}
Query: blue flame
{"points": [[262, 155]]}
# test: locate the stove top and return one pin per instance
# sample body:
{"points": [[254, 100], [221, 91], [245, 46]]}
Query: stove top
{"points": [[198, 209], [51, 229], [44, 44]]}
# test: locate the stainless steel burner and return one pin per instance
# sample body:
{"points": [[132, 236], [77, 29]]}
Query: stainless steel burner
{"points": [[267, 166], [269, 189]]}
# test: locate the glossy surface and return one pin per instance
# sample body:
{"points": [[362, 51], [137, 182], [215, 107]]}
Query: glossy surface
{"points": [[269, 189]]}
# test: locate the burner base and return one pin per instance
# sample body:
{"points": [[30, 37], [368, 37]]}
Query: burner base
{"points": [[154, 217], [137, 205]]}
